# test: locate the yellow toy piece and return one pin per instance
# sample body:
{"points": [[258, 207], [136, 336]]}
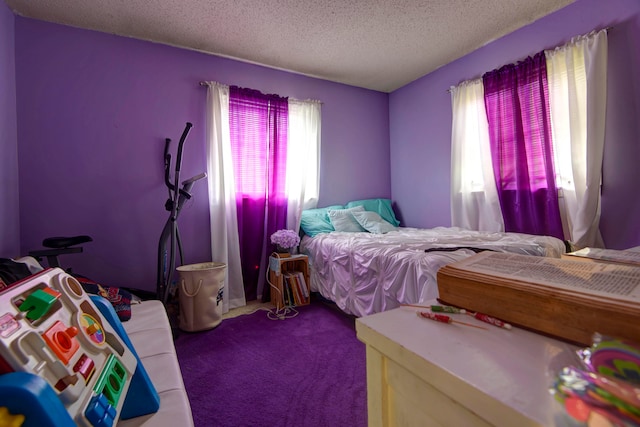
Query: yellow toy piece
{"points": [[8, 420]]}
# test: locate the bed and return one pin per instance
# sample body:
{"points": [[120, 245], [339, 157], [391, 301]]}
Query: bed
{"points": [[368, 270]]}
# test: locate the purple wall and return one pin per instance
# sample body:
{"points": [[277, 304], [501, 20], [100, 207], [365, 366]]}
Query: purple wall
{"points": [[93, 112], [420, 118], [9, 207]]}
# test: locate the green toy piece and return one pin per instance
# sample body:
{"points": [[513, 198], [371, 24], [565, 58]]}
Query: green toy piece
{"points": [[38, 304]]}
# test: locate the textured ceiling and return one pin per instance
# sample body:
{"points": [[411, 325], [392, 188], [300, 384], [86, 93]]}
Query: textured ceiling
{"points": [[380, 45]]}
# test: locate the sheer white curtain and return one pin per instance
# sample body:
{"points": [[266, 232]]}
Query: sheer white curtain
{"points": [[302, 182], [225, 244], [577, 76], [577, 80], [474, 198], [303, 159]]}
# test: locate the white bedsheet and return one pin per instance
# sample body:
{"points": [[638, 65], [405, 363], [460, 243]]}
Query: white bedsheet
{"points": [[365, 273]]}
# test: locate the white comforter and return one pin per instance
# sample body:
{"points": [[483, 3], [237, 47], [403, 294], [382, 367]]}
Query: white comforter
{"points": [[365, 273]]}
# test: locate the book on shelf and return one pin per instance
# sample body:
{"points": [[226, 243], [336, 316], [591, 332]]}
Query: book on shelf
{"points": [[303, 285], [605, 255], [287, 285], [294, 287], [298, 289], [562, 298], [297, 292]]}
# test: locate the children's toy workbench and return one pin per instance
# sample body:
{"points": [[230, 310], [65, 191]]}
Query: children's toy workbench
{"points": [[64, 358]]}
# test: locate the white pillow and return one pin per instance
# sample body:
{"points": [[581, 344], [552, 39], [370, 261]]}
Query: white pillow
{"points": [[372, 222], [343, 220]]}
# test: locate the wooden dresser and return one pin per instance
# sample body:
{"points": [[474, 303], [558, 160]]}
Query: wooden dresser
{"points": [[424, 373]]}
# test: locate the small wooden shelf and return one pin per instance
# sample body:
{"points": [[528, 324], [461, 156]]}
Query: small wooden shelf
{"points": [[281, 268]]}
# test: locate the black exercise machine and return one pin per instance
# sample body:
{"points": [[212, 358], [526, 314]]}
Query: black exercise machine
{"points": [[59, 246], [170, 237]]}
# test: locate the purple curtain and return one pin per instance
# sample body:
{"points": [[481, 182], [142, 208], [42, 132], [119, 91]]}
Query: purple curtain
{"points": [[516, 100], [258, 131]]}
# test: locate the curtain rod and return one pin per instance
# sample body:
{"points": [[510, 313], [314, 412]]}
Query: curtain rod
{"points": [[607, 29], [204, 83]]}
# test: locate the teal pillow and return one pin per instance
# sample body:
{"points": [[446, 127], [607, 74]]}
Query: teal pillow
{"points": [[381, 206], [316, 221]]}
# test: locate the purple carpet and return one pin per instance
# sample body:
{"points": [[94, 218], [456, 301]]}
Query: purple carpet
{"points": [[309, 370]]}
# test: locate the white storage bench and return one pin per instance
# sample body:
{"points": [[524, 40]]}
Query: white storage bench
{"points": [[150, 333]]}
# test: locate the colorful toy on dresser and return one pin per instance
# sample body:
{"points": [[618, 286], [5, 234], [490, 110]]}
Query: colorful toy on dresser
{"points": [[62, 362], [606, 390]]}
